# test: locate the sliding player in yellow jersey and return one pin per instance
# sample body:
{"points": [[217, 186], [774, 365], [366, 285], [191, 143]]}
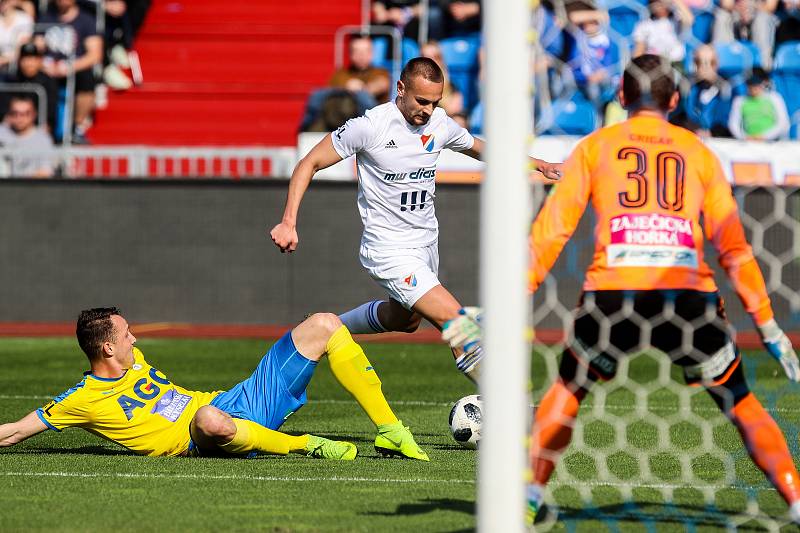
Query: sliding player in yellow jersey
{"points": [[655, 189], [125, 400]]}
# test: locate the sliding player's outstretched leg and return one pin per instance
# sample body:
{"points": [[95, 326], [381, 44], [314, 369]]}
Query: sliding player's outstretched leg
{"points": [[356, 374], [214, 431]]}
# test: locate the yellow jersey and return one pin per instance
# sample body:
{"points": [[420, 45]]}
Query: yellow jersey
{"points": [[142, 410]]}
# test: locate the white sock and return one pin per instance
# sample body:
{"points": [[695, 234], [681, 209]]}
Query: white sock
{"points": [[363, 319], [535, 494]]}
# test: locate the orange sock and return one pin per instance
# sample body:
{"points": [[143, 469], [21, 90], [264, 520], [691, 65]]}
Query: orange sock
{"points": [[767, 446], [552, 429]]}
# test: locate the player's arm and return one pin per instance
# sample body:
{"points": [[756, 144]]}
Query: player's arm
{"points": [[551, 171], [323, 155], [560, 216], [724, 229], [16, 432]]}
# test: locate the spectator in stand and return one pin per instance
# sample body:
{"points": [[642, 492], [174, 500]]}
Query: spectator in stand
{"points": [[352, 91], [460, 17], [659, 34], [760, 114], [708, 104], [593, 58], [88, 54], [29, 71], [452, 100], [747, 20], [19, 133], [16, 27], [405, 15], [788, 13], [360, 75]]}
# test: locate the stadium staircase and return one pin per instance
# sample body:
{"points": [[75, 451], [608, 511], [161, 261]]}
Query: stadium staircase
{"points": [[230, 73]]}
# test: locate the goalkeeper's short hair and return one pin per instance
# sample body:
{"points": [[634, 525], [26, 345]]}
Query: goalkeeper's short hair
{"points": [[649, 82]]}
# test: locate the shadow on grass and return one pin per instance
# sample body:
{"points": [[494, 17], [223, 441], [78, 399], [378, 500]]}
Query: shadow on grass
{"points": [[429, 506], [687, 516], [83, 450]]}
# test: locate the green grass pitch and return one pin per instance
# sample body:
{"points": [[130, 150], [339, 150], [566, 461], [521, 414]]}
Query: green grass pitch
{"points": [[75, 481]]}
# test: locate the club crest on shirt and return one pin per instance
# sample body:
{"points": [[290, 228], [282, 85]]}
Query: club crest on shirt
{"points": [[427, 142]]}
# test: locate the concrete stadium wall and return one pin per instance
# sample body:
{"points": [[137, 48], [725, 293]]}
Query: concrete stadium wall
{"points": [[198, 252]]}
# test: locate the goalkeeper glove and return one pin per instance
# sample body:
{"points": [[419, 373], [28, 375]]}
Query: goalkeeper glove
{"points": [[780, 347], [465, 330]]}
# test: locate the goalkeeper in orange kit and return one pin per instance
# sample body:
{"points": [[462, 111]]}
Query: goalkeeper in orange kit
{"points": [[655, 189]]}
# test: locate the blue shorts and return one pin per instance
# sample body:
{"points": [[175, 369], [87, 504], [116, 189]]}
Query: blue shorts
{"points": [[274, 391]]}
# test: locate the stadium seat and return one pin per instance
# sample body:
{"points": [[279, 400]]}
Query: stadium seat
{"points": [[623, 17], [737, 58], [794, 129], [461, 56], [573, 115], [786, 75], [476, 119], [703, 25]]}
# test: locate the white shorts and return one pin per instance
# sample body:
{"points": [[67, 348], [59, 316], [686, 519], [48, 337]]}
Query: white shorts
{"points": [[405, 274]]}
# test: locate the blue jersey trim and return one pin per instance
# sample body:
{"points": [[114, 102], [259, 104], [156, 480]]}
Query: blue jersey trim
{"points": [[63, 395], [46, 423], [98, 378]]}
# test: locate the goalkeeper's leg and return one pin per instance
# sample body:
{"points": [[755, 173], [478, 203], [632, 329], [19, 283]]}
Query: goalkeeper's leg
{"points": [[761, 435]]}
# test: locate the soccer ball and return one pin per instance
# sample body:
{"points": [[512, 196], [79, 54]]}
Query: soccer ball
{"points": [[465, 421]]}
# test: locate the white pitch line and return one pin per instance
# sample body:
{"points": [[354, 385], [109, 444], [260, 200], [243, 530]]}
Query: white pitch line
{"points": [[339, 479], [232, 477]]}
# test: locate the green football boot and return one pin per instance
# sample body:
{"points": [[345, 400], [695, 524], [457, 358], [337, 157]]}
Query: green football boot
{"points": [[337, 450], [396, 439]]}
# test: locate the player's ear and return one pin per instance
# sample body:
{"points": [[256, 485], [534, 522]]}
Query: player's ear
{"points": [[108, 349], [621, 96], [401, 88], [674, 101]]}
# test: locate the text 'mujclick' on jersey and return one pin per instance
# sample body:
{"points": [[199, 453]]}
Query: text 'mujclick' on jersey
{"points": [[142, 410], [396, 165], [650, 184]]}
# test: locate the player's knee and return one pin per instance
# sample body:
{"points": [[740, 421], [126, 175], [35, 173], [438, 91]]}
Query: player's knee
{"points": [[212, 422], [413, 324], [325, 323]]}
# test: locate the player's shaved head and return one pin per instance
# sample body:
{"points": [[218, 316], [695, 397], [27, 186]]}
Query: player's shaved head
{"points": [[95, 328], [648, 82], [424, 67]]}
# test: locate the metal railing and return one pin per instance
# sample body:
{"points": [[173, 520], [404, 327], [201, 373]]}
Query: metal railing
{"points": [[123, 162]]}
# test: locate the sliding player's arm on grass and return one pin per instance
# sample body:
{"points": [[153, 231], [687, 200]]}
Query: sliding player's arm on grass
{"points": [[323, 155], [16, 432], [724, 229], [551, 171]]}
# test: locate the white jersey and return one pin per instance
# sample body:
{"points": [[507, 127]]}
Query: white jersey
{"points": [[396, 164]]}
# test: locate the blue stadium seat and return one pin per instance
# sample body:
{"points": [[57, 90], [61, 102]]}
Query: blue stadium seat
{"points": [[461, 56], [476, 119], [737, 58], [574, 115], [410, 49], [703, 25], [786, 75], [623, 18], [381, 51], [794, 129]]}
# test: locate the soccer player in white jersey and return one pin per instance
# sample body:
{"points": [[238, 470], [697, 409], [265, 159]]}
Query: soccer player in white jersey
{"points": [[397, 147]]}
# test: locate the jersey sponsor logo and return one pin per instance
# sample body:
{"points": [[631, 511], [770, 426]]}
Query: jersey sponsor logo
{"points": [[391, 144], [145, 390], [427, 142], [171, 405], [652, 229], [624, 255], [421, 174], [410, 280]]}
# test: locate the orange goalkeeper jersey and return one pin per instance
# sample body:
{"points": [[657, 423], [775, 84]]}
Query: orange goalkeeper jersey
{"points": [[650, 184]]}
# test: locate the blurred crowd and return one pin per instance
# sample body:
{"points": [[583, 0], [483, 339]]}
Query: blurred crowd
{"points": [[739, 63], [57, 53]]}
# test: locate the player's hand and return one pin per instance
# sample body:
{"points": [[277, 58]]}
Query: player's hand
{"points": [[551, 171], [285, 237], [780, 347], [465, 329]]}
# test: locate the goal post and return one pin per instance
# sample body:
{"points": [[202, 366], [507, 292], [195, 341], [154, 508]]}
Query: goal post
{"points": [[504, 221]]}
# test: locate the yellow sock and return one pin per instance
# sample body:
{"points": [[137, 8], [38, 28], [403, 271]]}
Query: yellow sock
{"points": [[354, 371], [252, 437]]}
